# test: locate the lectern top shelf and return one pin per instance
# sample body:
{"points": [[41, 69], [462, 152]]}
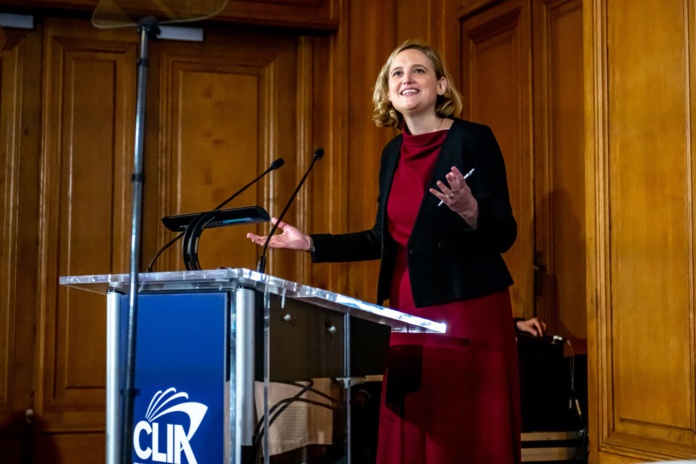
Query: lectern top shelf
{"points": [[230, 278]]}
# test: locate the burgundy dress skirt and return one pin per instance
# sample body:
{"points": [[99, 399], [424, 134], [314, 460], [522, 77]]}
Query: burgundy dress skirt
{"points": [[452, 398]]}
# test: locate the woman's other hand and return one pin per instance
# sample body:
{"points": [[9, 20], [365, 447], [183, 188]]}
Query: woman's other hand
{"points": [[533, 326], [457, 195]]}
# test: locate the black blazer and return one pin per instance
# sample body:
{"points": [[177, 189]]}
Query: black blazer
{"points": [[447, 260]]}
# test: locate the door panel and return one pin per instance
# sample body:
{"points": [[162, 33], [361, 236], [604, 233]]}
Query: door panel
{"points": [[20, 64], [559, 169], [227, 111], [496, 61], [88, 104]]}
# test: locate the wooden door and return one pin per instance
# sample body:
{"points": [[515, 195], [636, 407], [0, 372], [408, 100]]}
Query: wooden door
{"points": [[522, 71], [559, 171], [225, 110], [88, 113], [496, 62]]}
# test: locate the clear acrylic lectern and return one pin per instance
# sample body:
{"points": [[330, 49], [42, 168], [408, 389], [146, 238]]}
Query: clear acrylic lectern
{"points": [[234, 366]]}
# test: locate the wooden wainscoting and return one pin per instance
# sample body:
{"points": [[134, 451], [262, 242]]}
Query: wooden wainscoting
{"points": [[20, 125], [642, 333]]}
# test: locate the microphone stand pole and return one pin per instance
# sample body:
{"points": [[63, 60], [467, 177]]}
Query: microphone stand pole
{"points": [[261, 266], [147, 27]]}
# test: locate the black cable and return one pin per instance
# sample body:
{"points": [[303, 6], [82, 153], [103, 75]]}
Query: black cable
{"points": [[278, 408], [581, 449], [303, 390], [312, 390], [284, 405], [170, 243], [289, 401]]}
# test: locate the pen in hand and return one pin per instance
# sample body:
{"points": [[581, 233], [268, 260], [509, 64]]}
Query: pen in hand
{"points": [[466, 176]]}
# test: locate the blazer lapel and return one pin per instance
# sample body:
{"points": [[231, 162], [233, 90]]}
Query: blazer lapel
{"points": [[390, 163], [450, 155]]}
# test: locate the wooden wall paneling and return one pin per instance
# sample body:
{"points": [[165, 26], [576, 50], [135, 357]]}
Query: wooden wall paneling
{"points": [[446, 37], [616, 459], [496, 69], [10, 122], [372, 36], [228, 108], [414, 20], [20, 62], [595, 86], [306, 145], [306, 14], [80, 448], [313, 15], [559, 168], [641, 318], [435, 22], [651, 312], [88, 119], [328, 204], [470, 7]]}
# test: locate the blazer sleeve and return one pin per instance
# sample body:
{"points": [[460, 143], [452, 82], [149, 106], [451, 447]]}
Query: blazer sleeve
{"points": [[355, 246], [497, 228], [364, 245]]}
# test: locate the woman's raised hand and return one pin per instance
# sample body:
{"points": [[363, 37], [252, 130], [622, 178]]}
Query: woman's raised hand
{"points": [[457, 195]]}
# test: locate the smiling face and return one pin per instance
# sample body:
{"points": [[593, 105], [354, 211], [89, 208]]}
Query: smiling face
{"points": [[413, 84]]}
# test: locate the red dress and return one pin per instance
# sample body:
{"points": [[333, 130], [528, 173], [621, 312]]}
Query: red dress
{"points": [[457, 399]]}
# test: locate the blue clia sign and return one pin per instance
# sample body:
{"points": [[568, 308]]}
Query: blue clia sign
{"points": [[179, 411]]}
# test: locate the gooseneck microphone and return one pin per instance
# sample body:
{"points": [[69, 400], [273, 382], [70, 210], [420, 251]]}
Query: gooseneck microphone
{"points": [[316, 156], [274, 165]]}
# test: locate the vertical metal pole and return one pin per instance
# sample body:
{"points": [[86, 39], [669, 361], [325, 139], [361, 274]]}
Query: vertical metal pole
{"points": [[113, 381], [347, 372], [266, 372], [146, 27], [245, 309]]}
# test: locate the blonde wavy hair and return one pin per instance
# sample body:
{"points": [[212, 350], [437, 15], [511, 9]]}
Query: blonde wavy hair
{"points": [[447, 105]]}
